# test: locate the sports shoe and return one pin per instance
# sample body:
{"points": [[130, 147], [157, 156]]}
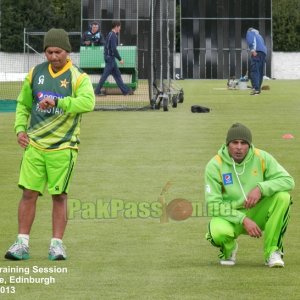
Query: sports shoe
{"points": [[57, 251], [255, 93], [101, 94], [130, 92], [232, 259], [18, 251], [275, 260]]}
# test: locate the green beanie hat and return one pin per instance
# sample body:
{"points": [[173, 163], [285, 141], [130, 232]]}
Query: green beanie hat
{"points": [[57, 38], [239, 131]]}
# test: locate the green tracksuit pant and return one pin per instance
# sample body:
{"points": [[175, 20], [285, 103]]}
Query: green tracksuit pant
{"points": [[271, 214]]}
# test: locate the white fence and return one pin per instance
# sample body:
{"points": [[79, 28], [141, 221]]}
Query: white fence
{"points": [[14, 67], [285, 65]]}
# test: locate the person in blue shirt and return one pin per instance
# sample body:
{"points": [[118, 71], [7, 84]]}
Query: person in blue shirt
{"points": [[258, 52], [93, 36], [111, 53]]}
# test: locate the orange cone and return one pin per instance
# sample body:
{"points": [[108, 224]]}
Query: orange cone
{"points": [[288, 136]]}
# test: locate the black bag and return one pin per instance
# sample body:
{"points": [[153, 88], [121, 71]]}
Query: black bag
{"points": [[199, 109]]}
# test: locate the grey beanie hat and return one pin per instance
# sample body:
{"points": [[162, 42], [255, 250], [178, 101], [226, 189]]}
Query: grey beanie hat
{"points": [[239, 131], [57, 38]]}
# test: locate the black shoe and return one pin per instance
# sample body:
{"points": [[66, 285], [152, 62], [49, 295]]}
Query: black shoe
{"points": [[100, 94], [129, 93]]}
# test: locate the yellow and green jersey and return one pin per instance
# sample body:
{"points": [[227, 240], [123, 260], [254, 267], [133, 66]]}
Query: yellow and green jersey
{"points": [[227, 183], [58, 127]]}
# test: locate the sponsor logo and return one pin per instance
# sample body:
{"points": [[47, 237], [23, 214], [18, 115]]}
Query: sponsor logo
{"points": [[227, 178], [40, 95]]}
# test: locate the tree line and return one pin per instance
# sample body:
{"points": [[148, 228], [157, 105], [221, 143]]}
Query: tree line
{"points": [[32, 15], [286, 25], [36, 15]]}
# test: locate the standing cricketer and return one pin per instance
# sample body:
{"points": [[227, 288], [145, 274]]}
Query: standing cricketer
{"points": [[258, 52], [49, 110], [246, 193]]}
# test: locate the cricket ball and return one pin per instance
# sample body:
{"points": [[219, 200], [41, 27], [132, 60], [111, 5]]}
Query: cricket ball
{"points": [[179, 209]]}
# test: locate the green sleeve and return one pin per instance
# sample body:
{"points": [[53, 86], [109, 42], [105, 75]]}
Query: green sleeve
{"points": [[82, 100], [24, 105], [276, 178], [216, 207]]}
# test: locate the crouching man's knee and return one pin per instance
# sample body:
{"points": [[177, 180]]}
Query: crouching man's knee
{"points": [[283, 199], [220, 231]]}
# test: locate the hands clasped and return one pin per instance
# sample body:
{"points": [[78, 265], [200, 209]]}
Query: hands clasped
{"points": [[252, 199], [46, 103]]}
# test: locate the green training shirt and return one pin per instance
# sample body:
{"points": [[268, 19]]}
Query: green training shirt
{"points": [[223, 194], [58, 127]]}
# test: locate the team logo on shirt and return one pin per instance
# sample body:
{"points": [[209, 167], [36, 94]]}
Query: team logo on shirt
{"points": [[227, 178], [64, 83], [41, 79]]}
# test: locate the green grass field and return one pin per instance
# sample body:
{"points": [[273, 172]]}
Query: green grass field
{"points": [[127, 158]]}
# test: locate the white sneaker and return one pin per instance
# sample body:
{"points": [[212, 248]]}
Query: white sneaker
{"points": [[18, 251], [232, 259], [57, 251], [275, 260]]}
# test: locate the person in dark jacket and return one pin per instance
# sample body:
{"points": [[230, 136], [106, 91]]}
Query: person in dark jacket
{"points": [[111, 67], [258, 52], [93, 36]]}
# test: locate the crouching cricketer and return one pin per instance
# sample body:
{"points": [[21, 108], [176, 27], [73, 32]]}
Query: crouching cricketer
{"points": [[247, 192]]}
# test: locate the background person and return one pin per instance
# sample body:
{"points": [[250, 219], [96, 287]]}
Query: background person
{"points": [[246, 193], [49, 110], [93, 36], [111, 67], [258, 52]]}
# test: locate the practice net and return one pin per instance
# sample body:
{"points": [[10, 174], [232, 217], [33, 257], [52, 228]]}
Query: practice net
{"points": [[146, 44]]}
